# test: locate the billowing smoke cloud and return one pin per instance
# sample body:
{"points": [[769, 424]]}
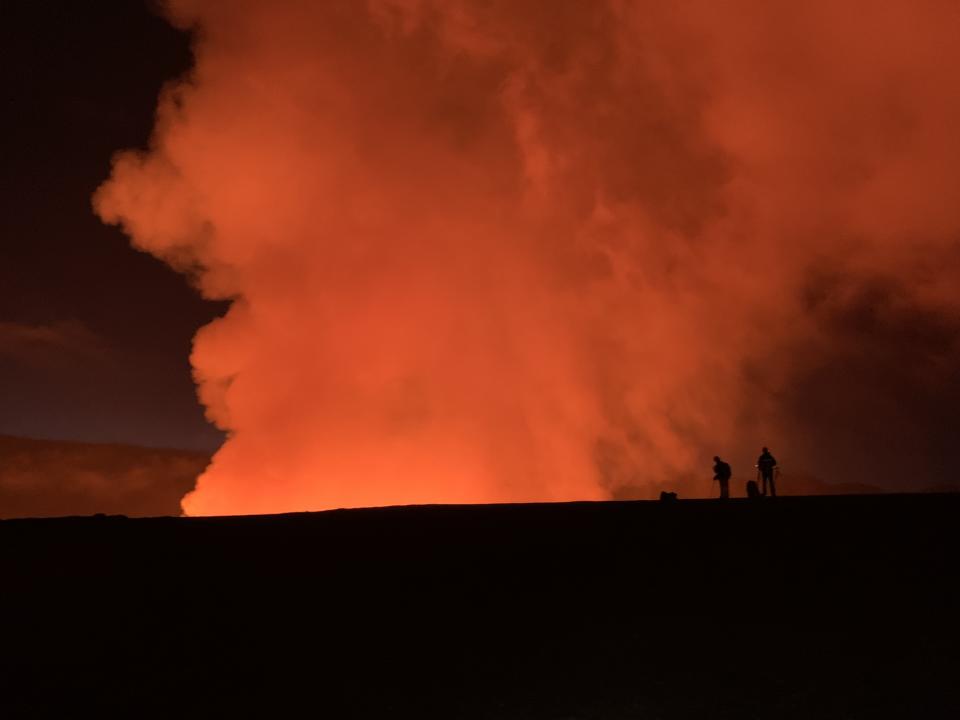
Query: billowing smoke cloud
{"points": [[508, 250]]}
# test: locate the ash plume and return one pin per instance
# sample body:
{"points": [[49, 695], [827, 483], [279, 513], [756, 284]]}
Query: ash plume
{"points": [[501, 251]]}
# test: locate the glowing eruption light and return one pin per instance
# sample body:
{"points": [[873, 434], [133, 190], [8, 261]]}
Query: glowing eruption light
{"points": [[508, 250]]}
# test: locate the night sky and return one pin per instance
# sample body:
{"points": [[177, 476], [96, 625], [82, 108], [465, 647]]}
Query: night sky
{"points": [[94, 336]]}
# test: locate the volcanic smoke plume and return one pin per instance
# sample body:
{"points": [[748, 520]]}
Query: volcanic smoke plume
{"points": [[520, 250]]}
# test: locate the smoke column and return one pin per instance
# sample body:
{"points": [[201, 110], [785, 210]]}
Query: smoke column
{"points": [[509, 251]]}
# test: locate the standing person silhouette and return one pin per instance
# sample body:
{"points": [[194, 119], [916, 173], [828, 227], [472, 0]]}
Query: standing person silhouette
{"points": [[766, 464], [722, 473]]}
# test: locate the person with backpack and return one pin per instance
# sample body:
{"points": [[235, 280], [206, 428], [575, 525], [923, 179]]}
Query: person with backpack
{"points": [[766, 464], [722, 473]]}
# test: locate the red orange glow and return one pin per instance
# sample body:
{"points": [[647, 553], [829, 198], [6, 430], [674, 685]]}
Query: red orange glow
{"points": [[497, 251]]}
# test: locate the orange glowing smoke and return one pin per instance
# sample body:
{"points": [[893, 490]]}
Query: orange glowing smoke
{"points": [[507, 250]]}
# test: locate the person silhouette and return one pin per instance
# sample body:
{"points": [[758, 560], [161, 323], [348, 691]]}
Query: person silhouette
{"points": [[766, 464], [722, 473]]}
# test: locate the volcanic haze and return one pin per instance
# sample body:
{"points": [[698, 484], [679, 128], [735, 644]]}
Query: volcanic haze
{"points": [[522, 250]]}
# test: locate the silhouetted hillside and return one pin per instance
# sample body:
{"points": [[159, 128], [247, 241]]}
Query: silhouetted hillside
{"points": [[41, 478], [795, 608]]}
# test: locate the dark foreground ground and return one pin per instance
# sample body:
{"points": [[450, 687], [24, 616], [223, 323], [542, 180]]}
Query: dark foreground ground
{"points": [[842, 607]]}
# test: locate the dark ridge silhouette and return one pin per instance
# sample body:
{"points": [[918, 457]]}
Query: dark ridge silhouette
{"points": [[44, 478], [800, 607]]}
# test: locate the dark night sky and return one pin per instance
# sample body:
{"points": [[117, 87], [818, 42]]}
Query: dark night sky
{"points": [[94, 336]]}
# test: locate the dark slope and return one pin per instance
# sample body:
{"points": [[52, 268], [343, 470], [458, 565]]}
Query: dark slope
{"points": [[42, 478], [842, 607]]}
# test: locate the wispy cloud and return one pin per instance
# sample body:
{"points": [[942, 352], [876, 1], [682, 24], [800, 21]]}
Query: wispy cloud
{"points": [[49, 344]]}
